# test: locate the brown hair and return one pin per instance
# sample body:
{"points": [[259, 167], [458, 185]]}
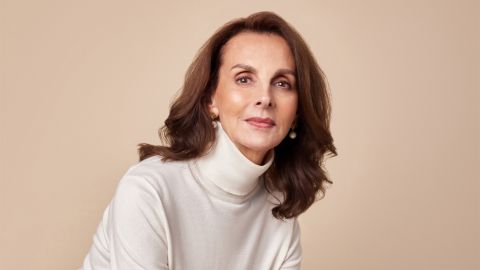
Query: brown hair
{"points": [[297, 170]]}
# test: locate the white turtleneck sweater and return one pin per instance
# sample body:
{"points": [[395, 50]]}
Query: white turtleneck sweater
{"points": [[208, 213]]}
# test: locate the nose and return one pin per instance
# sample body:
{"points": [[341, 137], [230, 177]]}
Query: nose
{"points": [[265, 99], [264, 102]]}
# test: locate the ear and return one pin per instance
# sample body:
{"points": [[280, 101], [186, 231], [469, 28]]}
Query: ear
{"points": [[212, 107]]}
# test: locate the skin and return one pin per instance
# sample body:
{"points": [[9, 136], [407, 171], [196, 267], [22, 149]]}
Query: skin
{"points": [[256, 79]]}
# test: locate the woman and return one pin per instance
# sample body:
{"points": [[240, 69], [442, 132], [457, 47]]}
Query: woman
{"points": [[245, 142]]}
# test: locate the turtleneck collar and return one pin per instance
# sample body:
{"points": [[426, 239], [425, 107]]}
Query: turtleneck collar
{"points": [[226, 172]]}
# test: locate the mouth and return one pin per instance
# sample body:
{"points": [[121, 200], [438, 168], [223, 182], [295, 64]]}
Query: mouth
{"points": [[261, 122]]}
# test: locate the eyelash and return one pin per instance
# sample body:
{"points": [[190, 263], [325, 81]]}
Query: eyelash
{"points": [[286, 86]]}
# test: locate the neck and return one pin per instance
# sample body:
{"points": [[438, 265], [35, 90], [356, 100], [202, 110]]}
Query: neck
{"points": [[254, 156], [229, 169]]}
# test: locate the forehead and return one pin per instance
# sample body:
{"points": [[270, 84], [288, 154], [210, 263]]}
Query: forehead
{"points": [[251, 48]]}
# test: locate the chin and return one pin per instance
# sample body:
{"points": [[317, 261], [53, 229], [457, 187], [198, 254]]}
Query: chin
{"points": [[259, 144]]}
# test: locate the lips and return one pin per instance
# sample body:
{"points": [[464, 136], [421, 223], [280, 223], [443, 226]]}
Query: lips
{"points": [[261, 122]]}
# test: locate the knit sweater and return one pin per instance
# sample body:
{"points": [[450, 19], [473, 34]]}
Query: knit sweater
{"points": [[211, 213]]}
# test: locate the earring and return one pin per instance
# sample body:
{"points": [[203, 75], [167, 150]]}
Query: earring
{"points": [[292, 134], [214, 117]]}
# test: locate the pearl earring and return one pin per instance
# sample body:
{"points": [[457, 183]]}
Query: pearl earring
{"points": [[214, 116], [292, 134]]}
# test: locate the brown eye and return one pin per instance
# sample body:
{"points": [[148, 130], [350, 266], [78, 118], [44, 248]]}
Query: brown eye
{"points": [[243, 80], [283, 84]]}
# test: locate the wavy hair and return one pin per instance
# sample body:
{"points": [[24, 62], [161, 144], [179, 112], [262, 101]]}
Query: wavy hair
{"points": [[297, 171]]}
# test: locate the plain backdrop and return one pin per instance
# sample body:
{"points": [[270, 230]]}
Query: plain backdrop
{"points": [[83, 82]]}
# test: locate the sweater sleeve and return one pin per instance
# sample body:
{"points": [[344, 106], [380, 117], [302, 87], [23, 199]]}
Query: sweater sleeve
{"points": [[137, 227], [294, 254]]}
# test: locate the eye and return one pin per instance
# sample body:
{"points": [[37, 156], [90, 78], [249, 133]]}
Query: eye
{"points": [[283, 84], [243, 80]]}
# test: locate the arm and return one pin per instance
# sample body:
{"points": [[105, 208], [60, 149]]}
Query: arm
{"points": [[137, 227], [293, 258]]}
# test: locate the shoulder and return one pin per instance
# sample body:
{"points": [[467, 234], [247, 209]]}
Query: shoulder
{"points": [[152, 175], [154, 167]]}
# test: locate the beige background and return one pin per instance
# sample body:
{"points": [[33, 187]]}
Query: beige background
{"points": [[82, 82]]}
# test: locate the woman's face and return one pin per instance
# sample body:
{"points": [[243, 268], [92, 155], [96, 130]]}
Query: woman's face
{"points": [[256, 96]]}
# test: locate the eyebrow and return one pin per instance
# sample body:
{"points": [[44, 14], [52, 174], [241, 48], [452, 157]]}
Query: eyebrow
{"points": [[246, 67], [281, 71]]}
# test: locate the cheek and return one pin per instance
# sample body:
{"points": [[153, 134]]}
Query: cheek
{"points": [[231, 101], [289, 109]]}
